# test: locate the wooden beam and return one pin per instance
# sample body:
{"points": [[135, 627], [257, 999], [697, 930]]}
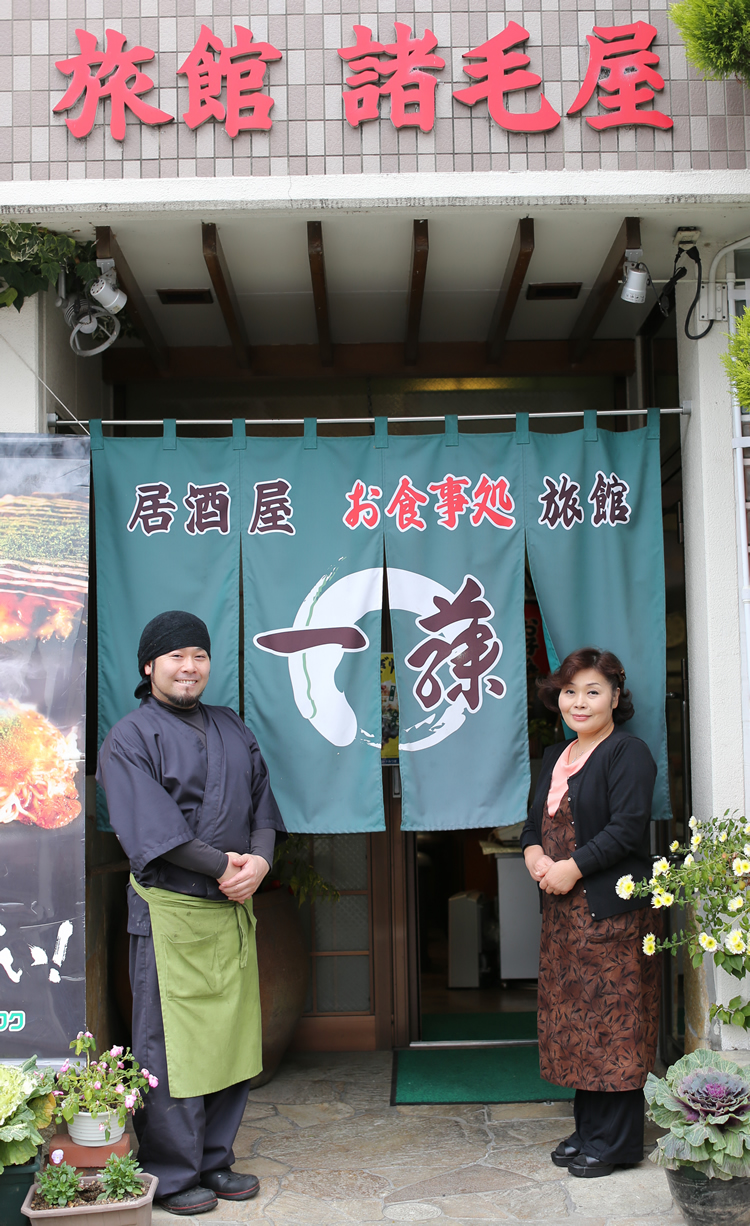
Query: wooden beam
{"points": [[139, 312], [420, 249], [316, 256], [221, 280], [510, 287], [604, 288], [436, 360]]}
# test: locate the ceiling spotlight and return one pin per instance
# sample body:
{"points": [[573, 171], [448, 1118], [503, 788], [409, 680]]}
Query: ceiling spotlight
{"points": [[108, 295], [636, 282], [84, 319]]}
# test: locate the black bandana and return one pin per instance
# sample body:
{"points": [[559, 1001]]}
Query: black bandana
{"points": [[165, 633]]}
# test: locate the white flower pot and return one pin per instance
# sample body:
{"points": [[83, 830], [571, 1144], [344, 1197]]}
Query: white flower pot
{"points": [[86, 1129]]}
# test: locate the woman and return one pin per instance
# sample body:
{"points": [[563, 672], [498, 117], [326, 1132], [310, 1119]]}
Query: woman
{"points": [[598, 993]]}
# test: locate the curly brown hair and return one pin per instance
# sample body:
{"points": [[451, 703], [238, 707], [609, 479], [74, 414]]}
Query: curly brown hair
{"points": [[605, 662]]}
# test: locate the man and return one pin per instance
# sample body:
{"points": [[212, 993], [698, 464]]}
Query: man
{"points": [[190, 801]]}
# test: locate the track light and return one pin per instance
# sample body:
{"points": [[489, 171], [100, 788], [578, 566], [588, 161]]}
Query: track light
{"points": [[108, 295], [636, 282], [97, 318]]}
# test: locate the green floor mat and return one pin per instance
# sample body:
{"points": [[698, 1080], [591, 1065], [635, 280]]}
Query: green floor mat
{"points": [[457, 1026], [473, 1075]]}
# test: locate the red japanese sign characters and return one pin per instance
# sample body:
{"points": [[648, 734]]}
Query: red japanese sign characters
{"points": [[621, 64], [227, 83], [402, 64], [241, 68], [500, 71], [112, 73]]}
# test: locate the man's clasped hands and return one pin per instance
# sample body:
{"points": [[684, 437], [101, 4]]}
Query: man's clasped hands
{"points": [[242, 876]]}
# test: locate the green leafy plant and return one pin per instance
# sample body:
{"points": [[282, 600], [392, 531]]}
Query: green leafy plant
{"points": [[710, 880], [542, 731], [120, 1177], [704, 1101], [736, 360], [27, 1103], [292, 867], [31, 259], [113, 1084], [717, 36], [59, 1185]]}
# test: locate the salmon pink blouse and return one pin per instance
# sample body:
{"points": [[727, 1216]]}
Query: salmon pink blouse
{"points": [[561, 773]]}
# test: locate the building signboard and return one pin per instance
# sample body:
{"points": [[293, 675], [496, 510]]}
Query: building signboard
{"points": [[228, 83]]}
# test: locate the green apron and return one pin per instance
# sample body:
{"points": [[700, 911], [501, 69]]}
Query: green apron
{"points": [[207, 966]]}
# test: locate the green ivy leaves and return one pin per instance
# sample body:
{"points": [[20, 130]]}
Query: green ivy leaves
{"points": [[31, 259]]}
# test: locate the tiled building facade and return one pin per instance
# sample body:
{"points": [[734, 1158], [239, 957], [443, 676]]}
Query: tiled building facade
{"points": [[309, 135]]}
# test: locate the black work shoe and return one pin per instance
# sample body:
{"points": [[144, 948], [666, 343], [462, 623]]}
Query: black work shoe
{"points": [[231, 1185], [191, 1201], [584, 1167], [564, 1154]]}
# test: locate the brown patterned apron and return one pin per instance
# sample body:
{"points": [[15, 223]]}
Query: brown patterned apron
{"points": [[598, 1008]]}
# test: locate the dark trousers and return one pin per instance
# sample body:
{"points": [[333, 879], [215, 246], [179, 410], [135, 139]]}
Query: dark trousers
{"points": [[179, 1138], [609, 1124]]}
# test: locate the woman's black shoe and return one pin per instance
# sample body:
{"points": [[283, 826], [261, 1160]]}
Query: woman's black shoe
{"points": [[565, 1153], [584, 1167]]}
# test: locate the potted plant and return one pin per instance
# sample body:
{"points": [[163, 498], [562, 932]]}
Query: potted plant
{"points": [[121, 1193], [283, 960], [704, 1101], [710, 880], [96, 1098], [26, 1105]]}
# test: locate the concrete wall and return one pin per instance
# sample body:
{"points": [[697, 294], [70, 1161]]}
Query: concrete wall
{"points": [[711, 570], [20, 405], [719, 773], [35, 350]]}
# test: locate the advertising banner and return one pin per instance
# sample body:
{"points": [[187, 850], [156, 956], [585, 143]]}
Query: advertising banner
{"points": [[389, 710], [596, 552], [455, 557], [44, 531], [312, 555], [167, 537]]}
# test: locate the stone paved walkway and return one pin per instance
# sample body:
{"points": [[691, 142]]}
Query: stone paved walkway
{"points": [[330, 1151]]}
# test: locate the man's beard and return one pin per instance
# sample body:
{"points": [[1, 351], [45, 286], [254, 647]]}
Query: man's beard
{"points": [[185, 701]]}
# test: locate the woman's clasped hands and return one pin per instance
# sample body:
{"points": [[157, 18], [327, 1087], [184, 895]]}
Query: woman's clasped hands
{"points": [[553, 876]]}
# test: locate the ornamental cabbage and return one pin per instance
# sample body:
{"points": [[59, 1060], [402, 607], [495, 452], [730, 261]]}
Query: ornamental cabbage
{"points": [[26, 1105], [704, 1101]]}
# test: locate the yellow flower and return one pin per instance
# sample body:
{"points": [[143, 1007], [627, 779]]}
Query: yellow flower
{"points": [[625, 886], [667, 899], [693, 823], [674, 846], [688, 860], [656, 899], [740, 867], [661, 866], [707, 942], [747, 828], [723, 836], [734, 942], [649, 944], [734, 904], [695, 840], [746, 849]]}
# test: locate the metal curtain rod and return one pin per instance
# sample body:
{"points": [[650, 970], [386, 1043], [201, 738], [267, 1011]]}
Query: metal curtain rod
{"points": [[347, 421]]}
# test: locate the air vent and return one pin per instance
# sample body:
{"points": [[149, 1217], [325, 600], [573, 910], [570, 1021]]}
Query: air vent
{"points": [[554, 291], [185, 297]]}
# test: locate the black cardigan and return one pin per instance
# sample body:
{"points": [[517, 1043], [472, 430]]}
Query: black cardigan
{"points": [[610, 799]]}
